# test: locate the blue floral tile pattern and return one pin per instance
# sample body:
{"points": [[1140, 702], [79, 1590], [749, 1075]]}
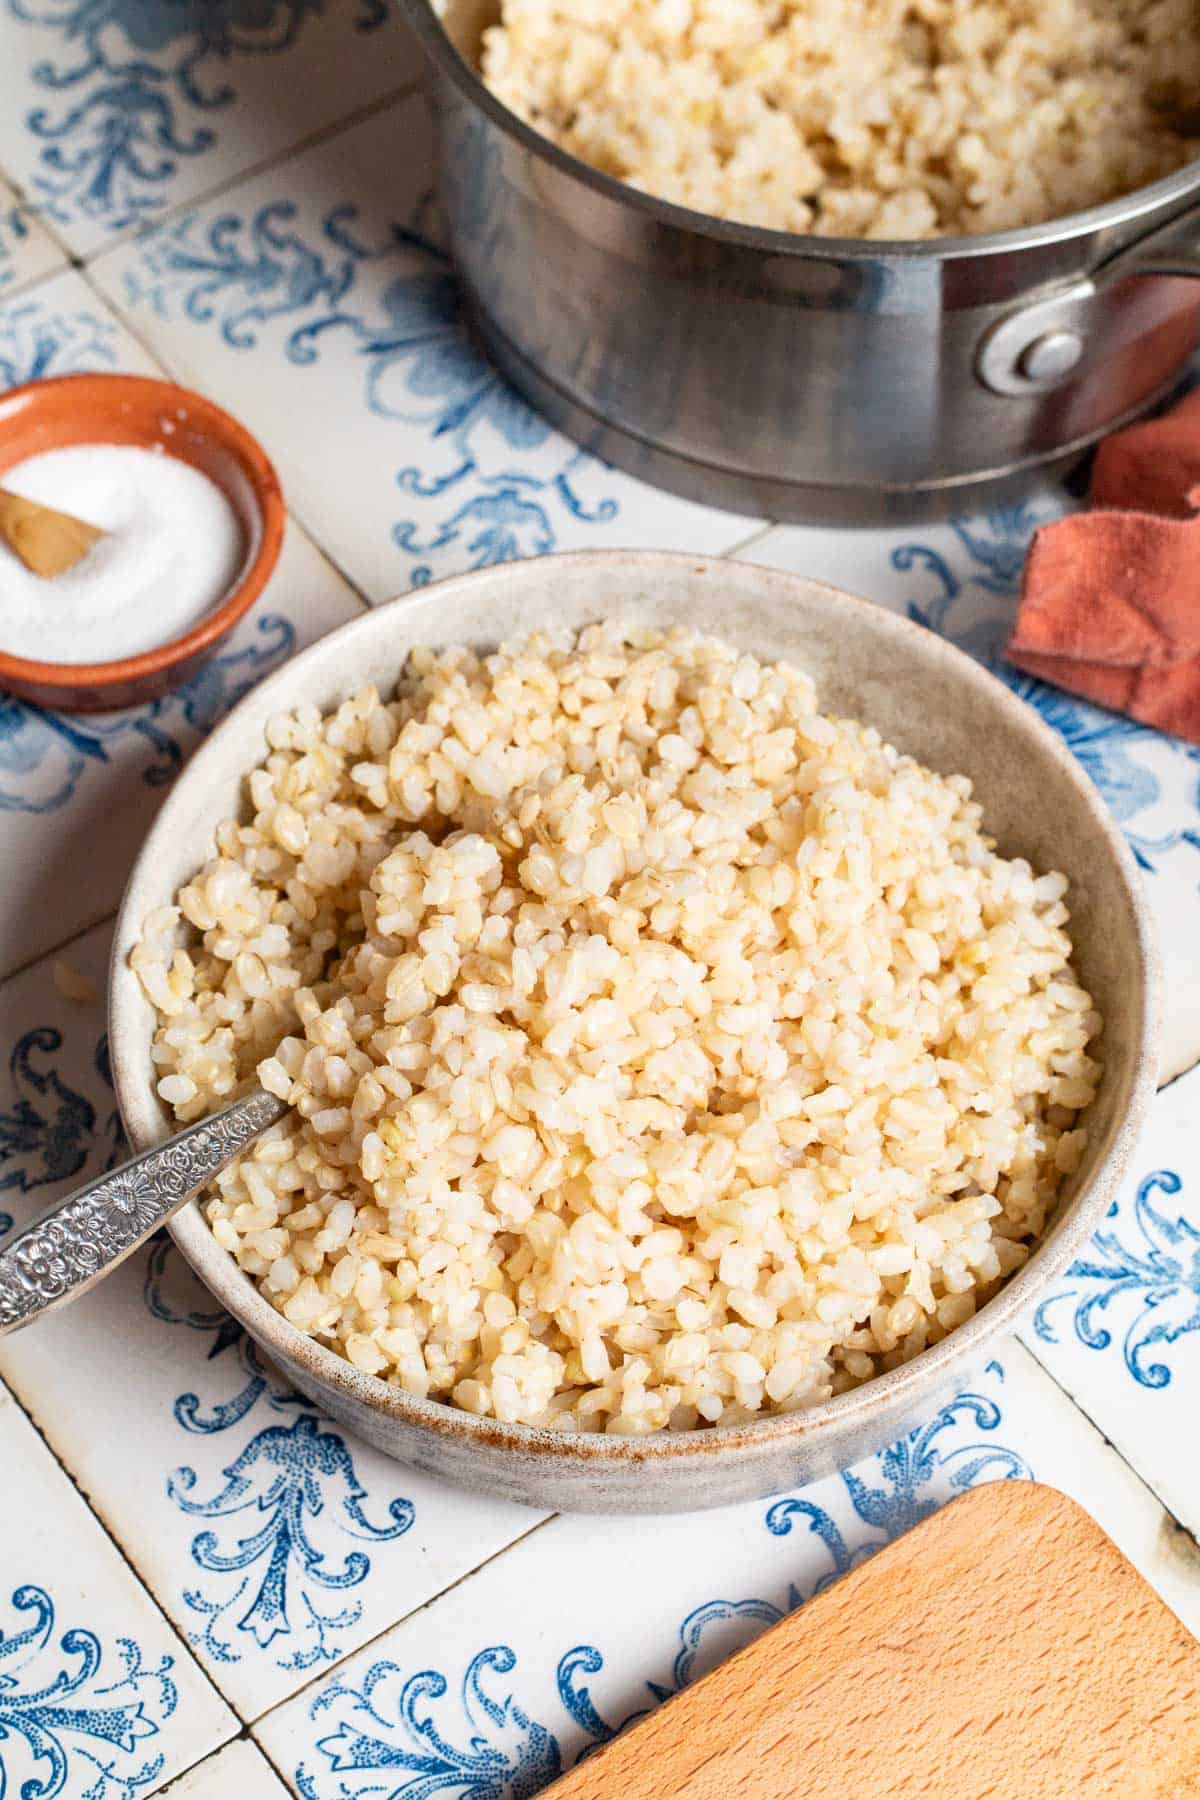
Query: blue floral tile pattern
{"points": [[98, 1698], [393, 1726], [46, 758], [283, 1549], [973, 604], [325, 1591], [63, 770], [1150, 1272], [1121, 1331], [483, 1742], [415, 366], [117, 109], [27, 251], [297, 296], [962, 580], [546, 1654], [51, 336], [273, 1540], [75, 1710], [63, 773], [48, 1131], [902, 1485], [1151, 782]]}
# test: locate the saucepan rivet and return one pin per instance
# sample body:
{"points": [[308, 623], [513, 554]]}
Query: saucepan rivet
{"points": [[1051, 356], [1039, 346]]}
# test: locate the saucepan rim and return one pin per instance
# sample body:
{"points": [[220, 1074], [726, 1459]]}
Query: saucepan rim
{"points": [[1182, 185]]}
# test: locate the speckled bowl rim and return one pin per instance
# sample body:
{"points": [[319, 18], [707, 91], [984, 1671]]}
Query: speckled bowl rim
{"points": [[259, 470], [932, 1371]]}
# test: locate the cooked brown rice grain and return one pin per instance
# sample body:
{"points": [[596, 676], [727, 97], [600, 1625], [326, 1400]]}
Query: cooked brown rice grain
{"points": [[662, 1051], [860, 118]]}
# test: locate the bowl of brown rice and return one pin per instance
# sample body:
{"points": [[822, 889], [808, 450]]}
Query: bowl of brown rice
{"points": [[712, 1010]]}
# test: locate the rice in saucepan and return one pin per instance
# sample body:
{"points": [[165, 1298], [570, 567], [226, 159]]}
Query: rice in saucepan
{"points": [[663, 1051], [861, 118]]}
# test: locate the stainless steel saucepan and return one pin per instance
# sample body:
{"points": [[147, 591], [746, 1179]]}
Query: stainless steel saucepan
{"points": [[802, 377]]}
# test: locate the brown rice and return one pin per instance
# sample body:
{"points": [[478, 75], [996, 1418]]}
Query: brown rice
{"points": [[662, 1050], [861, 118]]}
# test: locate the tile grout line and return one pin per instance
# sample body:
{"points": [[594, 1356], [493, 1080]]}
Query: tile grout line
{"points": [[1096, 1426], [247, 1727], [30, 283], [14, 1399], [181, 1774], [277, 1768], [731, 552], [436, 1599], [55, 951], [246, 1724], [755, 537], [246, 1730], [42, 219], [102, 300], [164, 363], [1179, 1075], [147, 227], [70, 266], [243, 1736], [433, 1599], [249, 1730], [148, 230], [377, 1637]]}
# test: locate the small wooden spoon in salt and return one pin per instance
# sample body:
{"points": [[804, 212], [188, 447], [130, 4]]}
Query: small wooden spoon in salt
{"points": [[48, 542]]}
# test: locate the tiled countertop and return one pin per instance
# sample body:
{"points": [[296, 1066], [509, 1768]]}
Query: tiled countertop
{"points": [[203, 1584]]}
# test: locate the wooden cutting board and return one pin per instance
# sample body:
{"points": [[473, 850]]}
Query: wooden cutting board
{"points": [[1002, 1650]]}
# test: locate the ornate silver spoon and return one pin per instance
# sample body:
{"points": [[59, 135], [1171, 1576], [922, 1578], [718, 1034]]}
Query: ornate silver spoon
{"points": [[61, 1255]]}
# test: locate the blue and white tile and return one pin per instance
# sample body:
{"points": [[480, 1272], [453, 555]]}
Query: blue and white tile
{"points": [[962, 579], [27, 251], [99, 1700], [274, 1542], [238, 1772], [64, 328], [503, 1684], [317, 299], [1121, 1332], [81, 789], [116, 110]]}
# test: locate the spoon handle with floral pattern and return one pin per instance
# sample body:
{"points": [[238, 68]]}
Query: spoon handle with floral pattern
{"points": [[58, 1257]]}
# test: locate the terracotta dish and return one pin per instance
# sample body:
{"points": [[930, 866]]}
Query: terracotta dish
{"points": [[147, 414], [923, 695]]}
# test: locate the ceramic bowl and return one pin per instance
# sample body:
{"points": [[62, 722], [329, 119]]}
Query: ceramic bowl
{"points": [[923, 695], [147, 414]]}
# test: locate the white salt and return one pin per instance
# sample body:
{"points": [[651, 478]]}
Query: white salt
{"points": [[174, 549]]}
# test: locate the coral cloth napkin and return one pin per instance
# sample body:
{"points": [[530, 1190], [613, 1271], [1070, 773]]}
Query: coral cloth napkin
{"points": [[1110, 601]]}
